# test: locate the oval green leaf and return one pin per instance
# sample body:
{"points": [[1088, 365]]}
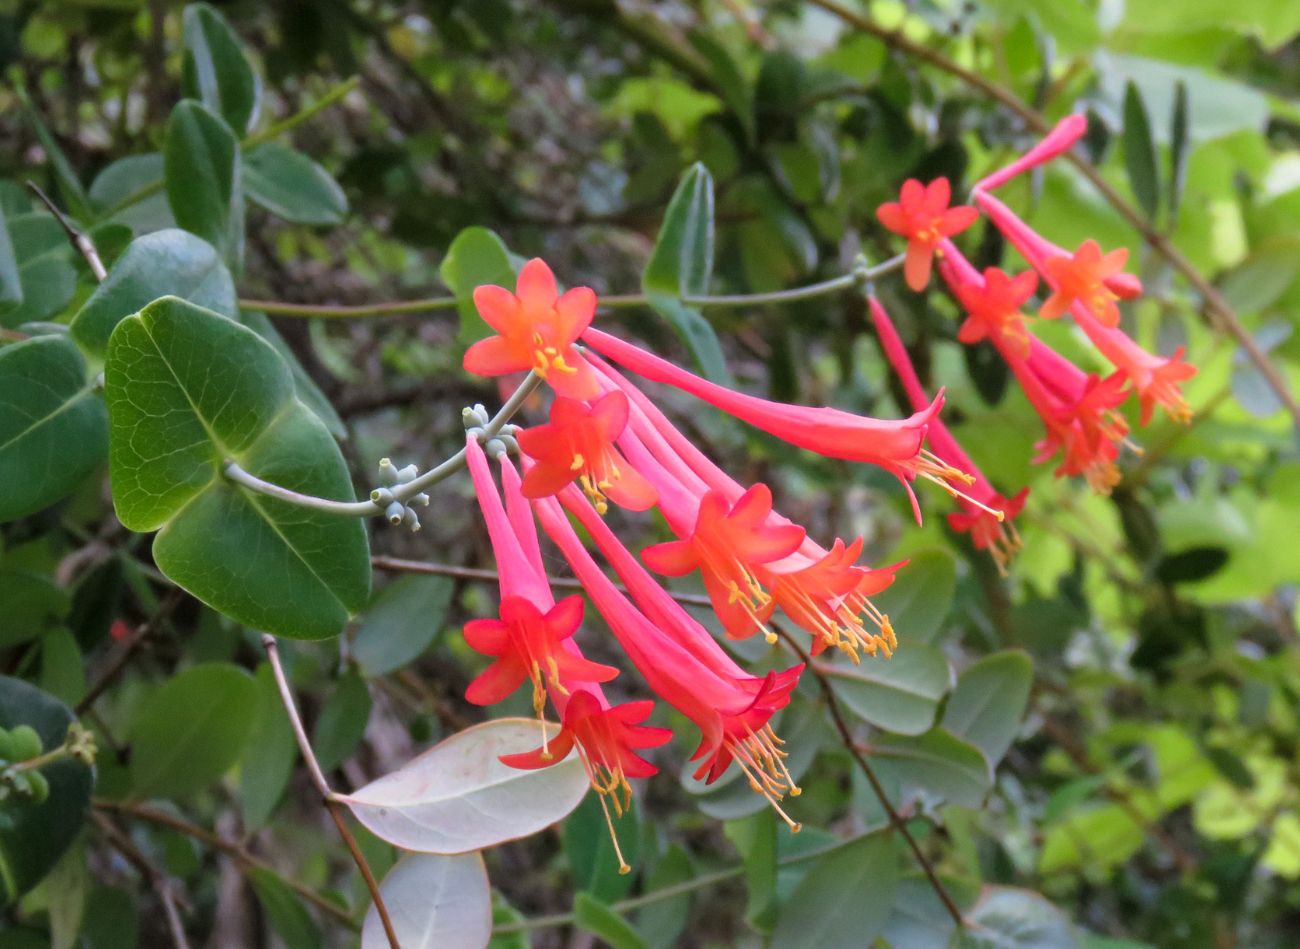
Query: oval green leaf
{"points": [[435, 902], [900, 694], [1140, 151], [457, 797], [988, 704], [937, 762], [1009, 918], [216, 71], [918, 602], [476, 257], [292, 186], [844, 900], [201, 170], [401, 622]]}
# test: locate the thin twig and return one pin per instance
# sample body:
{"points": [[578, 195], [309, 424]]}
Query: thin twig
{"points": [[126, 651], [334, 808], [162, 884], [1221, 314], [80, 240], [895, 819]]}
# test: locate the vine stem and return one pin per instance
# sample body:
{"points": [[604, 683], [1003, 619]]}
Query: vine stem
{"points": [[400, 492], [80, 240], [328, 798], [846, 737], [1220, 312]]}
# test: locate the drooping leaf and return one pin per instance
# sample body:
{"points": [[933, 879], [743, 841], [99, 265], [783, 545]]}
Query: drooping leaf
{"points": [[476, 257], [165, 263], [595, 916], [216, 71], [435, 902], [1009, 918], [203, 175], [292, 186], [53, 429], [845, 898], [988, 704], [188, 389], [33, 836], [919, 600], [457, 797], [284, 910], [191, 730], [400, 623], [1140, 151], [900, 694]]}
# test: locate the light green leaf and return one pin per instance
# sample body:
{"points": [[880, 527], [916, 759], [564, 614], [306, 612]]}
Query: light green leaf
{"points": [[284, 910], [216, 71], [1140, 151], [53, 429], [900, 694], [988, 704], [202, 172], [166, 263], [190, 731], [937, 762], [918, 602], [435, 902], [401, 622], [187, 389], [292, 186], [133, 185], [476, 257], [844, 900], [458, 797], [269, 761], [597, 918], [34, 836], [1010, 918], [342, 722]]}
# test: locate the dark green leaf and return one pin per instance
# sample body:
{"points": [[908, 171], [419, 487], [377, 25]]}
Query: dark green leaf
{"points": [[34, 836], [269, 761], [755, 838], [661, 922], [1010, 918], [342, 722], [697, 334], [303, 385], [70, 189], [936, 762], [1179, 148], [45, 271], [900, 694], [845, 898], [989, 702], [292, 186], [53, 430], [203, 177], [597, 918], [11, 285], [166, 263], [592, 860], [61, 672], [476, 257], [919, 600], [32, 603], [216, 70], [116, 919], [400, 623], [226, 394], [1140, 151], [919, 917], [284, 910], [190, 731]]}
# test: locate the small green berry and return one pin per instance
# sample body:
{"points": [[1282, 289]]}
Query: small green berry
{"points": [[26, 743]]}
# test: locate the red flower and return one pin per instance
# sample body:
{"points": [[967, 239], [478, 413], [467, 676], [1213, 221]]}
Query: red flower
{"points": [[537, 328], [1082, 277], [987, 531], [993, 310], [922, 215], [1058, 141], [579, 443], [529, 645]]}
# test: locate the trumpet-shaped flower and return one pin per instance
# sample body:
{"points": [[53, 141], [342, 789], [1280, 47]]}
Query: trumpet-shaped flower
{"points": [[1057, 142], [921, 214], [536, 329], [1082, 277], [578, 443], [993, 310]]}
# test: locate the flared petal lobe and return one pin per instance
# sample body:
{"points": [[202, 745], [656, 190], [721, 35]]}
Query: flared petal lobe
{"points": [[922, 215]]}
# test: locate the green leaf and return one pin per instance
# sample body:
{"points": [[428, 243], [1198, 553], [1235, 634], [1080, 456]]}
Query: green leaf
{"points": [[187, 389], [661, 922], [918, 602], [919, 917], [202, 173], [53, 429], [70, 189], [116, 919], [133, 186], [46, 275], [844, 900], [937, 762], [32, 603], [1179, 148], [166, 263], [988, 704], [216, 71], [755, 838], [597, 918], [190, 731], [34, 836], [11, 285], [476, 257], [680, 266], [436, 902], [284, 910], [1010, 918], [401, 622], [292, 186], [342, 722], [899, 694], [304, 386], [1140, 151], [592, 860], [269, 761], [61, 672], [62, 897]]}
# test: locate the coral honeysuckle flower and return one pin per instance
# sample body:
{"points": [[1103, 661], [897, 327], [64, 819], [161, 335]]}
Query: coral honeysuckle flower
{"points": [[579, 443], [727, 544], [993, 310], [537, 328], [527, 644], [1058, 141], [986, 515], [732, 712], [608, 739], [1081, 277], [922, 215], [1156, 379], [895, 446], [1083, 425]]}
